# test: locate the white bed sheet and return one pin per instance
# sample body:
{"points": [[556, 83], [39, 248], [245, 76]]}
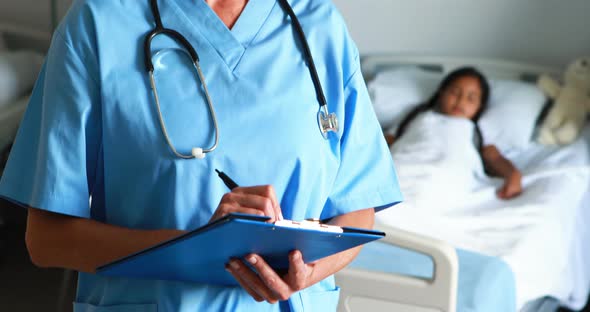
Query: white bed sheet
{"points": [[542, 234]]}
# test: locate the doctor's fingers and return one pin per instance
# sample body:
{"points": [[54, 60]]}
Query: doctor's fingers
{"points": [[225, 209], [251, 282], [249, 201], [265, 191], [245, 285], [299, 272], [269, 277]]}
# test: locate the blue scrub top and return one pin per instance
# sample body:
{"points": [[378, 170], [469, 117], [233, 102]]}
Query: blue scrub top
{"points": [[91, 131]]}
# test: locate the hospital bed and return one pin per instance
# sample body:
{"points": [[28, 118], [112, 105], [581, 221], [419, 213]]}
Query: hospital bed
{"points": [[416, 269], [20, 62]]}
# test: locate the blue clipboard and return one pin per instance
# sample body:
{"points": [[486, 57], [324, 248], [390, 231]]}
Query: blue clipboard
{"points": [[200, 255]]}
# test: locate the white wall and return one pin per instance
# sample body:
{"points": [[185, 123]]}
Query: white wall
{"points": [[550, 32]]}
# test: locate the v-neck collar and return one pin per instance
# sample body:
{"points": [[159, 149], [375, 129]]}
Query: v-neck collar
{"points": [[230, 44], [251, 20]]}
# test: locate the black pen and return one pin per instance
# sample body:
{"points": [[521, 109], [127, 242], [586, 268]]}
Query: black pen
{"points": [[231, 184], [227, 180]]}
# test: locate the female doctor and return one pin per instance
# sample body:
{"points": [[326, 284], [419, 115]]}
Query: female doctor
{"points": [[123, 133]]}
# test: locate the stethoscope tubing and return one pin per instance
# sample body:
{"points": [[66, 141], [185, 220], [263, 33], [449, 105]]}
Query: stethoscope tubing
{"points": [[211, 111]]}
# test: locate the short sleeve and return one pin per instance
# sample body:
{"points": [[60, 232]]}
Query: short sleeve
{"points": [[53, 160], [366, 176]]}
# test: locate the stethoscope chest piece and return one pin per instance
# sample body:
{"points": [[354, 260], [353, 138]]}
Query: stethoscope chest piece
{"points": [[327, 122]]}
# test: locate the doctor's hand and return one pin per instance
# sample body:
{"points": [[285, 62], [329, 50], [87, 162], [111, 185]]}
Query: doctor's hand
{"points": [[256, 200], [263, 283]]}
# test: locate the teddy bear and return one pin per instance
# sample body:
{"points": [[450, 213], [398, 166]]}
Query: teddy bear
{"points": [[568, 114]]}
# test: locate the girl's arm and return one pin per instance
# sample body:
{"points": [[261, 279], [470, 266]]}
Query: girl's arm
{"points": [[389, 138], [498, 165]]}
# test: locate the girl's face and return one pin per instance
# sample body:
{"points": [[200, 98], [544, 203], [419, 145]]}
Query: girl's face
{"points": [[462, 98]]}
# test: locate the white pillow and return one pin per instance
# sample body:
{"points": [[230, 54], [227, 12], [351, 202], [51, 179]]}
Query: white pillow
{"points": [[18, 72], [508, 122], [396, 92]]}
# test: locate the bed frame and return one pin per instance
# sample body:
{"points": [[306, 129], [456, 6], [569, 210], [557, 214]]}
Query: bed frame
{"points": [[20, 36], [498, 69], [17, 37], [363, 290]]}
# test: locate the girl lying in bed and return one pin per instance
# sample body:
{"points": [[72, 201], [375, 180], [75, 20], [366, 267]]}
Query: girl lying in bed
{"points": [[448, 121]]}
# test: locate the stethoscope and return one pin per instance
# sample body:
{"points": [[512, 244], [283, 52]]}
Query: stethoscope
{"points": [[327, 122]]}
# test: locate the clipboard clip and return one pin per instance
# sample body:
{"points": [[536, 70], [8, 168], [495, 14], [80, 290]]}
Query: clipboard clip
{"points": [[310, 224]]}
